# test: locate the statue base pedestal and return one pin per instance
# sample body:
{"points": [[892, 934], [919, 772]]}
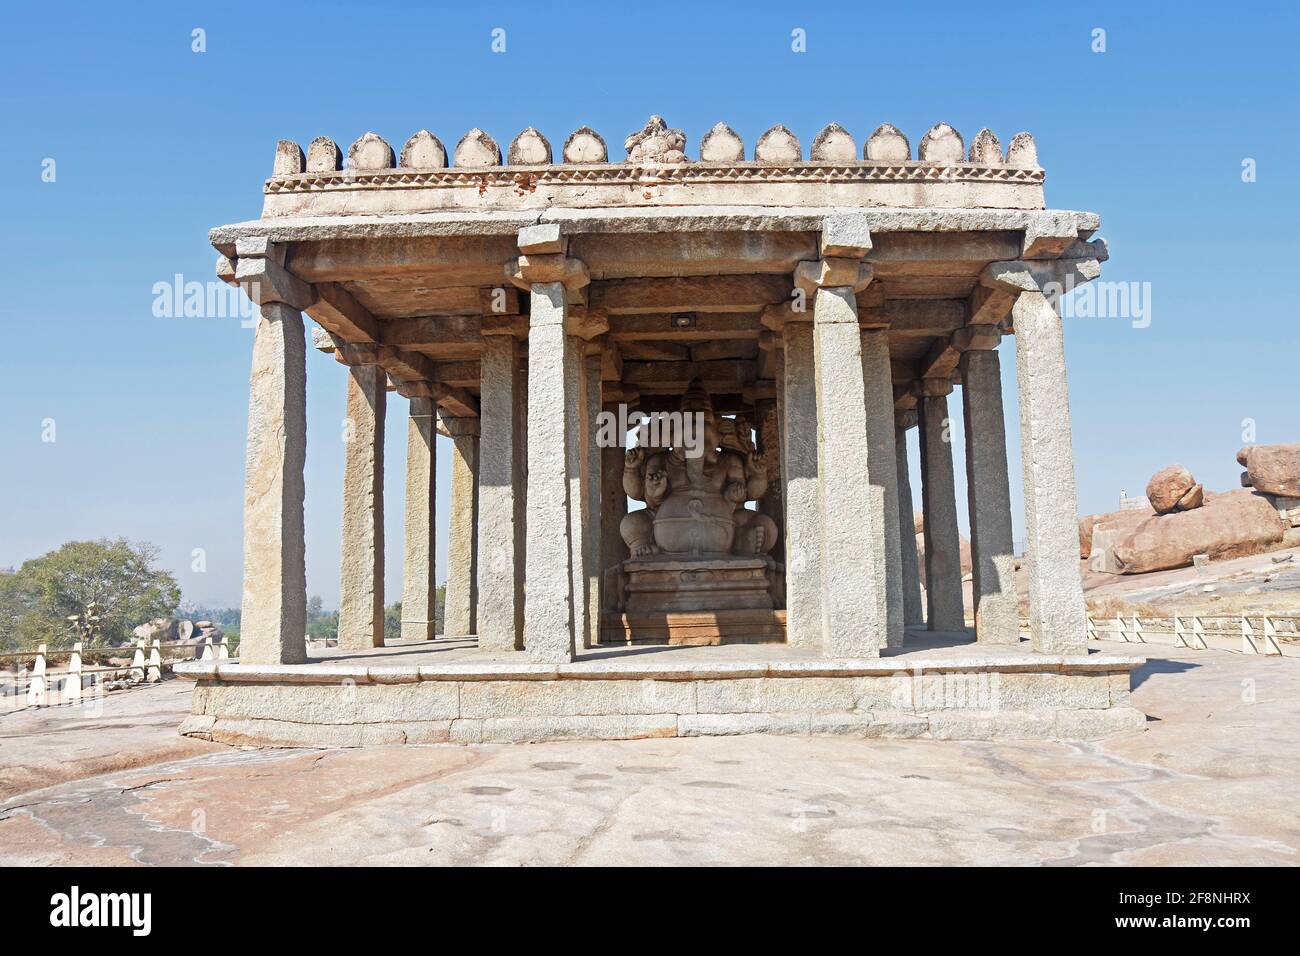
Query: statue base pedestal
{"points": [[703, 628], [706, 583]]}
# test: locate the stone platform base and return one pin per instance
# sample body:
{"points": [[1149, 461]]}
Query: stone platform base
{"points": [[693, 628], [383, 699]]}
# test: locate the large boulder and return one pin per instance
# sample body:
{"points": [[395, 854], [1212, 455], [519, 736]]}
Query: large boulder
{"points": [[1274, 469], [1173, 489], [1229, 525], [963, 544], [1124, 518]]}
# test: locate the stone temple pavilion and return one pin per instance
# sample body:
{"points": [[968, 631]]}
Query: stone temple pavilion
{"points": [[802, 309]]}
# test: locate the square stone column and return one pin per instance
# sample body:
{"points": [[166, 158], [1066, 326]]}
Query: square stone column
{"points": [[549, 577], [274, 605], [1057, 614], [913, 609], [613, 509], [993, 563], [852, 533], [882, 469], [944, 609], [500, 477], [803, 555], [577, 468], [419, 570], [767, 425], [361, 570], [460, 602], [591, 495]]}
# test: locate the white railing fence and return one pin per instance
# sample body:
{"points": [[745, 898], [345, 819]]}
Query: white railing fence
{"points": [[60, 676], [1263, 634]]}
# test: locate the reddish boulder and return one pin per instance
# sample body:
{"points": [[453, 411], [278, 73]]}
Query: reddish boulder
{"points": [[1272, 468], [1168, 486], [1125, 517], [1229, 525]]}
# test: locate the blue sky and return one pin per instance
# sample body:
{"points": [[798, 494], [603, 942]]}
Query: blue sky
{"points": [[154, 144]]}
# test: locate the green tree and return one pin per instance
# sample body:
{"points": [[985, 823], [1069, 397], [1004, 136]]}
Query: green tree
{"points": [[105, 587]]}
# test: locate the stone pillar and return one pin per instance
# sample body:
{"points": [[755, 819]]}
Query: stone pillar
{"points": [[419, 571], [944, 610], [274, 605], [613, 508], [361, 570], [767, 424], [500, 534], [993, 564], [800, 485], [460, 603], [591, 496], [552, 399], [575, 466], [913, 610], [854, 612], [1057, 614], [882, 469]]}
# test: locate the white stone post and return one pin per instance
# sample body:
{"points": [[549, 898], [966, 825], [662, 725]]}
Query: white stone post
{"points": [[943, 592], [500, 533], [419, 572], [882, 470], [552, 396], [1057, 613], [36, 681], [913, 609], [803, 555], [274, 606], [460, 602], [72, 683], [988, 492], [361, 570]]}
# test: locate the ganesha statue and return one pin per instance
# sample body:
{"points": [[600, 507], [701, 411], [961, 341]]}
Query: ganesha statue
{"points": [[695, 493]]}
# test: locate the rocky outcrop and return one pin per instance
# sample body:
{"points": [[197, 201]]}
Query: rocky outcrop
{"points": [[1229, 525], [1274, 469], [1126, 518], [1174, 489]]}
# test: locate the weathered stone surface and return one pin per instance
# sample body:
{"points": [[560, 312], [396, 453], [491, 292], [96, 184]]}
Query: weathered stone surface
{"points": [[655, 143], [834, 144], [529, 148], [477, 150], [1228, 525], [721, 144], [943, 590], [423, 151], [289, 158], [1272, 468], [500, 520], [370, 152], [1022, 153], [883, 472], [567, 698], [274, 610], [419, 571], [460, 604], [887, 145], [1193, 498], [854, 585], [913, 609], [942, 144], [1167, 487], [778, 146], [361, 569], [323, 156], [986, 149], [548, 597], [585, 145], [997, 616], [1057, 615], [802, 510]]}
